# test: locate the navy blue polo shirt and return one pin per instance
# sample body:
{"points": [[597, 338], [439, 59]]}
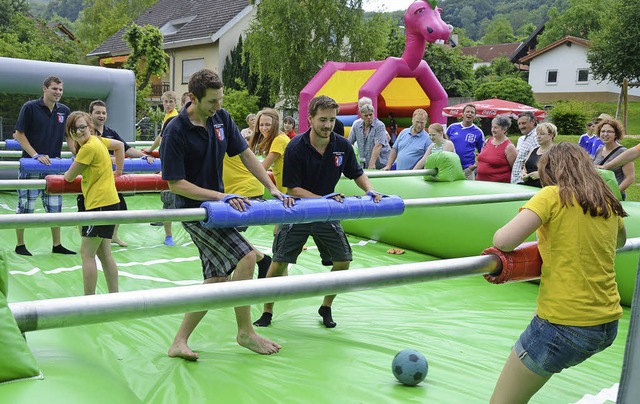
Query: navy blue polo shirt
{"points": [[195, 154], [45, 129], [305, 168], [109, 133]]}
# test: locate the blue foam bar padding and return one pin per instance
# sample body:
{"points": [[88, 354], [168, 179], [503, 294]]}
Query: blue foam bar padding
{"points": [[306, 210], [347, 120], [12, 144], [59, 166]]}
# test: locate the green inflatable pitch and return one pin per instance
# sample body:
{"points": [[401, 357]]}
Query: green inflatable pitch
{"points": [[465, 327]]}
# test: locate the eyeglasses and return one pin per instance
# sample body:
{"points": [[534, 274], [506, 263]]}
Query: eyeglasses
{"points": [[81, 128]]}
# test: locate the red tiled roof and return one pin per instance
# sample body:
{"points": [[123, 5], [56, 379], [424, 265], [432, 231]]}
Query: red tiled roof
{"points": [[486, 53]]}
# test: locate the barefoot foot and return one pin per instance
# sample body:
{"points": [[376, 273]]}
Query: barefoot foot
{"points": [[119, 242], [182, 351], [257, 344]]}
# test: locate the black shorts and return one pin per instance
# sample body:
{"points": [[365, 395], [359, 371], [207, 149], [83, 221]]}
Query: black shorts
{"points": [[81, 208], [104, 230], [329, 237], [168, 199]]}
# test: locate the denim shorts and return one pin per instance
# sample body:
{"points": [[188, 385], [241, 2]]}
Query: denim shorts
{"points": [[546, 348]]}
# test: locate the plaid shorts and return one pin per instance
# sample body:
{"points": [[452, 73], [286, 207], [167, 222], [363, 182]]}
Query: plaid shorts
{"points": [[27, 197], [220, 249]]}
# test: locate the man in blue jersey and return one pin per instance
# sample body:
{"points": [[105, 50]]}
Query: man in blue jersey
{"points": [[467, 139], [40, 130]]}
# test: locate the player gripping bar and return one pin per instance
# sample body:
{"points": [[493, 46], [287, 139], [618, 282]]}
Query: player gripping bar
{"points": [[522, 264], [61, 165], [221, 214]]}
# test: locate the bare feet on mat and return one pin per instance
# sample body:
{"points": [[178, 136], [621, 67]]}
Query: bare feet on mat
{"points": [[119, 242], [258, 344], [182, 351]]}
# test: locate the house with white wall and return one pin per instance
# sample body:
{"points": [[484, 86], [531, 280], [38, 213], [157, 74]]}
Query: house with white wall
{"points": [[197, 34], [560, 71]]}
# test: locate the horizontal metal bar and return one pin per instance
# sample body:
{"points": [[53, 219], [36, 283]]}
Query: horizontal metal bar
{"points": [[82, 310], [18, 154], [11, 185], [401, 173], [133, 144], [467, 200], [14, 221], [9, 165]]}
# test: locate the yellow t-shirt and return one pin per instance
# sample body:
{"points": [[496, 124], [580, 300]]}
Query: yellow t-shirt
{"points": [[577, 285], [277, 146], [98, 184], [169, 115], [238, 180]]}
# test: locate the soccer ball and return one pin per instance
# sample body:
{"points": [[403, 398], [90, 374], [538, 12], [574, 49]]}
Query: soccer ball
{"points": [[410, 367]]}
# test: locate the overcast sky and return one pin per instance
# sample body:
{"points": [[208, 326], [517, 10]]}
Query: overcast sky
{"points": [[385, 5]]}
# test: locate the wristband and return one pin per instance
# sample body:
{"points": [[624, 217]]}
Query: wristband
{"points": [[373, 194], [37, 156], [331, 195]]}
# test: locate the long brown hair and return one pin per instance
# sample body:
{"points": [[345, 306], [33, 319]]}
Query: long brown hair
{"points": [[568, 166], [261, 143]]}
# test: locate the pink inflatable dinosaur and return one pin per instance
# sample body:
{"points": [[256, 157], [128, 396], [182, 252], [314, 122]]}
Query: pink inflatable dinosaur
{"points": [[422, 24]]}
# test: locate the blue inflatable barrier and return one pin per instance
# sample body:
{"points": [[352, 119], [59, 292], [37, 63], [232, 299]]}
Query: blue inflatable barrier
{"points": [[221, 214], [12, 144], [59, 166]]}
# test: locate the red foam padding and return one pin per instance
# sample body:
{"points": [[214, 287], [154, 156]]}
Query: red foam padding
{"points": [[522, 264], [56, 184]]}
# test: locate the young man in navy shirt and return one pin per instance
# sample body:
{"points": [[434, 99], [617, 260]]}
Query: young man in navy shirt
{"points": [[313, 164], [192, 152], [40, 130]]}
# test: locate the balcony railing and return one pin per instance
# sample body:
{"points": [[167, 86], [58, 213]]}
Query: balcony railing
{"points": [[158, 89]]}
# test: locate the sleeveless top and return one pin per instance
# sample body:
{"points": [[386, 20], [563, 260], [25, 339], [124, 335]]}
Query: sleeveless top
{"points": [[493, 164], [531, 165], [436, 149]]}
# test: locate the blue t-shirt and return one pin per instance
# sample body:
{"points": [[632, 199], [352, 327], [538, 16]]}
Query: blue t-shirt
{"points": [[44, 129], [586, 141], [305, 168], [195, 153], [466, 141], [595, 145], [410, 149]]}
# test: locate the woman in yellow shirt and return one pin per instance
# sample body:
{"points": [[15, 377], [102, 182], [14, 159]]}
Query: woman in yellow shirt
{"points": [[99, 189], [578, 223], [269, 142]]}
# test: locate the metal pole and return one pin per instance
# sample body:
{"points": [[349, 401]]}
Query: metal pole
{"points": [[89, 218], [11, 185], [185, 215], [401, 173], [82, 310], [18, 154], [467, 200], [9, 165], [139, 143]]}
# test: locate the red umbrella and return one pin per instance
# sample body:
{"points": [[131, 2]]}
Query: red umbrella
{"points": [[494, 107]]}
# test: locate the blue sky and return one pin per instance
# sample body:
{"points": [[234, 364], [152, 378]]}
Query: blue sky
{"points": [[385, 5]]}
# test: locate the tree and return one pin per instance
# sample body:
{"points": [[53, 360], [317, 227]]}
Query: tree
{"points": [[236, 75], [579, 20], [27, 38], [509, 89], [290, 40], [104, 18], [240, 103], [452, 68], [9, 8], [147, 58], [499, 31], [613, 53], [63, 8]]}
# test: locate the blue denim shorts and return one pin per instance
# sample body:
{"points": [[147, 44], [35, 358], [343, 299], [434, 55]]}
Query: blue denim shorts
{"points": [[546, 348]]}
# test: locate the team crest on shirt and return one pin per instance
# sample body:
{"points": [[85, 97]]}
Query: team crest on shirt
{"points": [[338, 157], [219, 129], [60, 118]]}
